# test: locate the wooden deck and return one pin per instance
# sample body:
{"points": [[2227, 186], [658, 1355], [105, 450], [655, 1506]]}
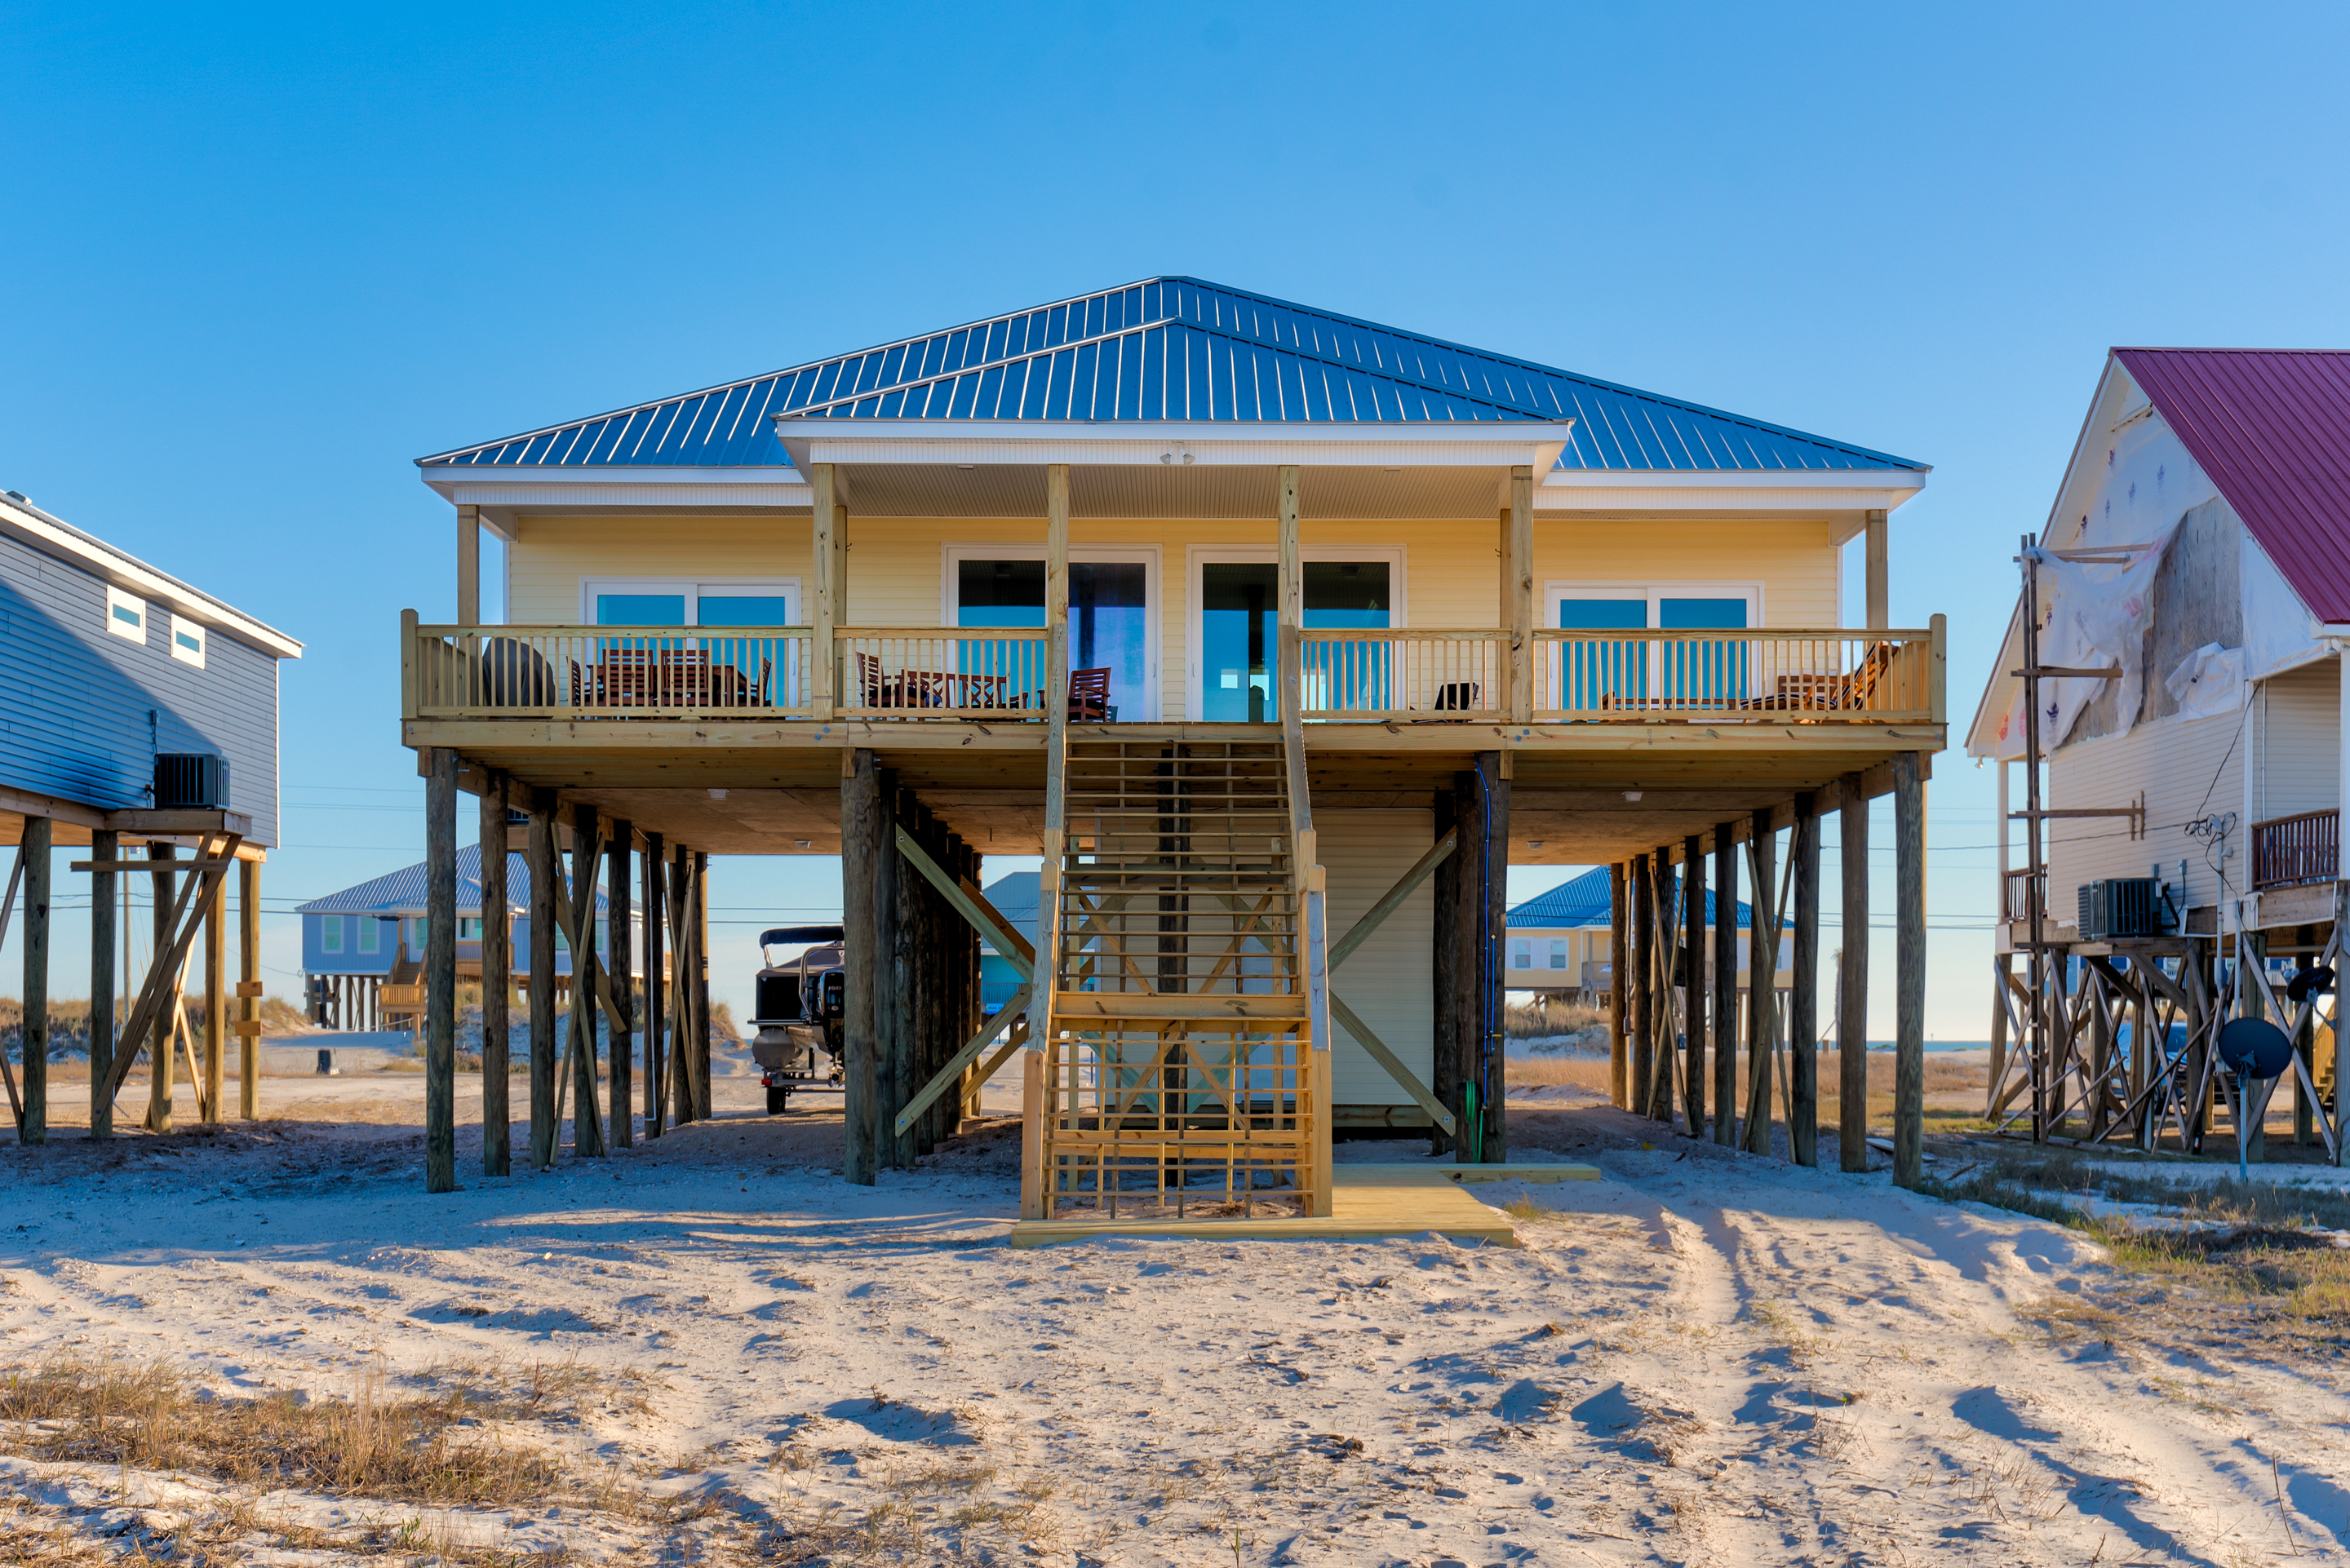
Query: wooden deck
{"points": [[1366, 1201]]}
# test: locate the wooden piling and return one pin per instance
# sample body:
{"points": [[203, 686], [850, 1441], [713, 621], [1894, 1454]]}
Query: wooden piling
{"points": [[1804, 1003], [1444, 1056], [105, 848], [441, 970], [619, 945], [587, 1120], [161, 1067], [1852, 982], [497, 978], [1910, 957], [1619, 1043], [865, 842], [1644, 983], [1492, 1120], [1664, 1060], [39, 834], [1693, 984], [701, 984], [538, 858], [1762, 981], [657, 1009], [248, 989], [1725, 984], [216, 1001]]}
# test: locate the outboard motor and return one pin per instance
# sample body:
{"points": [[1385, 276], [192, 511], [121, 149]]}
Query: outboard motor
{"points": [[798, 1013]]}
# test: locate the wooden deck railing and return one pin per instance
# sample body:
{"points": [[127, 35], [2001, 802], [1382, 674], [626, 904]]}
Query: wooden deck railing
{"points": [[2015, 896], [2287, 851], [998, 674]]}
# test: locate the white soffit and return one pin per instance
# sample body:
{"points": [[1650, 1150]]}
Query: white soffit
{"points": [[1745, 491], [1186, 443]]}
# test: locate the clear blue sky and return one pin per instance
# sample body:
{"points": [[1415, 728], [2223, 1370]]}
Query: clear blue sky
{"points": [[258, 259]]}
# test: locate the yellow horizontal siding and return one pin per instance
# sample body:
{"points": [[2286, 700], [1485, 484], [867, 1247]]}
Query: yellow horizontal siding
{"points": [[551, 554], [1390, 979]]}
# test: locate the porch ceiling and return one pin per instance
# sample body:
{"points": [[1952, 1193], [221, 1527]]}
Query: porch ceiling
{"points": [[1150, 490]]}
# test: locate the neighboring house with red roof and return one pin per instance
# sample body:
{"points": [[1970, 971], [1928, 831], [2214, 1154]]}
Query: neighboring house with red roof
{"points": [[2226, 473]]}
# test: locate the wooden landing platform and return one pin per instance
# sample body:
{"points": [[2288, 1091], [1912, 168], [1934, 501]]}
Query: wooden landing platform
{"points": [[1366, 1201]]}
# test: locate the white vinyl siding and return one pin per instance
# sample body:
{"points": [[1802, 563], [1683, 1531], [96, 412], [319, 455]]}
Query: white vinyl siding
{"points": [[2299, 716], [2189, 768]]}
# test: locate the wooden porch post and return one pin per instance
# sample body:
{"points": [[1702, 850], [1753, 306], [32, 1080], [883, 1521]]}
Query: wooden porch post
{"points": [[824, 653], [1909, 955], [619, 946], [1644, 983], [497, 969], [538, 857], [1693, 984], [1725, 984], [1804, 1002], [105, 846], [864, 840], [1518, 591], [468, 566], [39, 832], [1619, 1062], [1879, 574], [656, 901], [1291, 600], [1852, 982], [248, 989], [1056, 617], [441, 970], [161, 1064], [1762, 981]]}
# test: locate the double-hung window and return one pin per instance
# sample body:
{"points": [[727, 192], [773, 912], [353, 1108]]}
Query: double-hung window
{"points": [[330, 933], [1628, 670]]}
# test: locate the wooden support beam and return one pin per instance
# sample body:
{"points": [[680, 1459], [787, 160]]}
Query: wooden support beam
{"points": [[1852, 985], [468, 566], [38, 833], [701, 984], [863, 862], [1694, 989], [657, 1010], [587, 853], [163, 987], [1393, 898], [1491, 1117], [1725, 986], [948, 1075], [1804, 1003], [1879, 572], [679, 1085], [1644, 983], [441, 971], [971, 906], [1619, 1043], [1664, 948], [1518, 593], [1762, 983], [216, 1001], [1378, 1051], [105, 844], [620, 944], [824, 653], [1446, 978], [1910, 957], [248, 989], [497, 981], [540, 858]]}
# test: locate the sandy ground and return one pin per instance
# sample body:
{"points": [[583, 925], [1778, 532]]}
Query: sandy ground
{"points": [[1703, 1357]]}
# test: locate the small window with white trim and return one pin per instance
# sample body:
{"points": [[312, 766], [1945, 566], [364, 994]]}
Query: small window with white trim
{"points": [[187, 641], [370, 942], [126, 614], [330, 933]]}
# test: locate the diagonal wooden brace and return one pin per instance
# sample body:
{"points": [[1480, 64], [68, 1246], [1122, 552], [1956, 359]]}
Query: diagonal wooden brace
{"points": [[1353, 1024], [1393, 899], [196, 893], [951, 1074], [973, 907]]}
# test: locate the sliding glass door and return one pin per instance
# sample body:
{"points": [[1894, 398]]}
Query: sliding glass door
{"points": [[1236, 662], [1111, 607], [1656, 671]]}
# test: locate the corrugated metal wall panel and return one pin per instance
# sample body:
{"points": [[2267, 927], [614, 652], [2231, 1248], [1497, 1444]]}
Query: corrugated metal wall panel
{"points": [[83, 712]]}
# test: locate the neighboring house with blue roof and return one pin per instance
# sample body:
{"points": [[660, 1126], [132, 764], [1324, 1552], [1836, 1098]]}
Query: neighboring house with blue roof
{"points": [[1248, 558], [354, 941], [1562, 940]]}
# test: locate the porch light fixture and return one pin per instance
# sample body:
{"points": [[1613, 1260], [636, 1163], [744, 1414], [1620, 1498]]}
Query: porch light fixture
{"points": [[1630, 794], [718, 794], [802, 843], [1534, 844], [966, 467]]}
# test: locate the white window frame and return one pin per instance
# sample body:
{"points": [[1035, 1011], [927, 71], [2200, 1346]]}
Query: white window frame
{"points": [[1198, 556], [1652, 593], [370, 935], [182, 631], [330, 934], [116, 598], [473, 920], [953, 555], [690, 589], [1559, 956]]}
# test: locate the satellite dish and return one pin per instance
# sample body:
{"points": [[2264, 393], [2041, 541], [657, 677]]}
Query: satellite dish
{"points": [[2254, 1048], [2309, 982]]}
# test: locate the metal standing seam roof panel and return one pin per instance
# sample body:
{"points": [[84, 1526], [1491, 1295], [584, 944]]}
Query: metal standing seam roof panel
{"points": [[1176, 348], [2271, 429], [1583, 901]]}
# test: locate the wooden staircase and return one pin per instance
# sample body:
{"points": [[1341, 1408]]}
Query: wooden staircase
{"points": [[1184, 1073]]}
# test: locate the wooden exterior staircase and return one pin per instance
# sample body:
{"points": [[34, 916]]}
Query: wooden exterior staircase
{"points": [[1183, 1069]]}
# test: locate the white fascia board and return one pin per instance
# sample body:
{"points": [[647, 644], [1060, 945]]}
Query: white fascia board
{"points": [[543, 486], [133, 575], [1497, 444], [1726, 490]]}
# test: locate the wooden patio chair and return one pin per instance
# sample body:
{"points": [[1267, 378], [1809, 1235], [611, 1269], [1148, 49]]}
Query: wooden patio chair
{"points": [[1089, 697]]}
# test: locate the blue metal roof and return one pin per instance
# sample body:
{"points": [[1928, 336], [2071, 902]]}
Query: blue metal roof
{"points": [[1583, 901], [403, 891], [1174, 349]]}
